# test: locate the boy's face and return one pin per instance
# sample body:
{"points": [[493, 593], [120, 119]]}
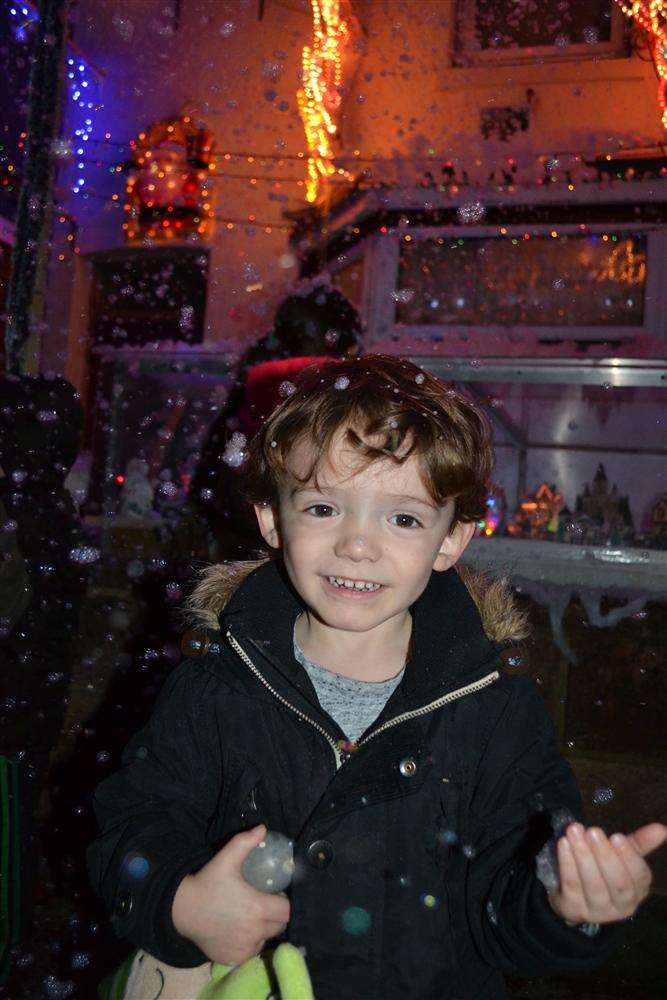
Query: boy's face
{"points": [[377, 526]]}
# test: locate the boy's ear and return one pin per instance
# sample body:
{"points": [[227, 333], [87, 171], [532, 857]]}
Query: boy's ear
{"points": [[454, 545], [268, 524]]}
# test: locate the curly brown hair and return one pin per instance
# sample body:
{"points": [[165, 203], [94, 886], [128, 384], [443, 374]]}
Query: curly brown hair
{"points": [[380, 397]]}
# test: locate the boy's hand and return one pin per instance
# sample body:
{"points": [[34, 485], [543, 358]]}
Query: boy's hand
{"points": [[603, 879], [224, 916]]}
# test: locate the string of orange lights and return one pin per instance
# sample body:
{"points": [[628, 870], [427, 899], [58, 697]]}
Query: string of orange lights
{"points": [[319, 98], [651, 16]]}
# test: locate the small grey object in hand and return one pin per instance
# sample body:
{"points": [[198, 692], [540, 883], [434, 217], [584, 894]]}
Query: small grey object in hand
{"points": [[269, 866], [546, 861]]}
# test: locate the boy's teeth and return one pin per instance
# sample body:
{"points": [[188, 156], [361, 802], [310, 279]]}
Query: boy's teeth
{"points": [[339, 581]]}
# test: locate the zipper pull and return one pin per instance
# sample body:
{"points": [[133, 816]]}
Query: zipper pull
{"points": [[346, 748]]}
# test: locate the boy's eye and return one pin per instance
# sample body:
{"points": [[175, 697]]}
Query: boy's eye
{"points": [[407, 521], [319, 509]]}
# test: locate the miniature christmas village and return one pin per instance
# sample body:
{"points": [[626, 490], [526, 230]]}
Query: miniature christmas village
{"points": [[601, 516]]}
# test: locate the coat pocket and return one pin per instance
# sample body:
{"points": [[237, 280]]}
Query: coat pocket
{"points": [[243, 804], [250, 801]]}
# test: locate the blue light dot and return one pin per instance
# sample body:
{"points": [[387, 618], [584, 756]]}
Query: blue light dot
{"points": [[70, 62], [81, 67], [138, 867]]}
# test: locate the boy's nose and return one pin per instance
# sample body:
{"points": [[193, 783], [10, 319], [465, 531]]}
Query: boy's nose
{"points": [[357, 545]]}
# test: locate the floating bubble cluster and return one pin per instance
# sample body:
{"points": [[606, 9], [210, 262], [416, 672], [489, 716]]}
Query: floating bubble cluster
{"points": [[471, 212], [85, 555], [601, 796], [235, 454]]}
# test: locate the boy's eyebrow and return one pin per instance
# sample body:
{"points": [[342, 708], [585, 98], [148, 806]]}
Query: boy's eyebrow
{"points": [[393, 496]]}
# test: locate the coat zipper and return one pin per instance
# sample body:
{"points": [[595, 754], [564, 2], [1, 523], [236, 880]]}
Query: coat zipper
{"points": [[343, 750]]}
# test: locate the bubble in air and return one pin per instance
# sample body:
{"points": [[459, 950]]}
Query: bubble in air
{"points": [[47, 416], [234, 454], [137, 866], [356, 921], [403, 295], [84, 555], [342, 382], [471, 212], [135, 569], [601, 796]]}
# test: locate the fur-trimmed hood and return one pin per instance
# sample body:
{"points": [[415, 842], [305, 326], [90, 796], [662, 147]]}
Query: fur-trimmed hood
{"points": [[502, 620]]}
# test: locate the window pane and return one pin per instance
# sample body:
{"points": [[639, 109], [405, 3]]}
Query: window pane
{"points": [[145, 295], [507, 24], [570, 280]]}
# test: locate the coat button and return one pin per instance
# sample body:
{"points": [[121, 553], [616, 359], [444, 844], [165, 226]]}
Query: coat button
{"points": [[320, 853], [408, 767], [195, 643], [123, 904]]}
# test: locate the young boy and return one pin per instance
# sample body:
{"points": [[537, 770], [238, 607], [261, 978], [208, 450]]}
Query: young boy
{"points": [[349, 694]]}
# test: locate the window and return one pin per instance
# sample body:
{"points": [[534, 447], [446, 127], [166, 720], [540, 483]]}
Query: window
{"points": [[142, 295], [514, 30], [565, 280]]}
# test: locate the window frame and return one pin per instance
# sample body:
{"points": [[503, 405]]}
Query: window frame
{"points": [[482, 339], [463, 57]]}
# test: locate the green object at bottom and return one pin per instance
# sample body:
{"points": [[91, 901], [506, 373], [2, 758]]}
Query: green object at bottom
{"points": [[113, 987], [281, 974]]}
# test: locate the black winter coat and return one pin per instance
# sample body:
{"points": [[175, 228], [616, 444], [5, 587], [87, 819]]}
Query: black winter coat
{"points": [[415, 872]]}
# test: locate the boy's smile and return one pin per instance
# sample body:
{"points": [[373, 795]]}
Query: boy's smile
{"points": [[359, 546]]}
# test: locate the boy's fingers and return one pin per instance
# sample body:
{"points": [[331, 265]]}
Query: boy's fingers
{"points": [[648, 838], [239, 847], [639, 871], [276, 908], [570, 882], [592, 884], [274, 927], [626, 876]]}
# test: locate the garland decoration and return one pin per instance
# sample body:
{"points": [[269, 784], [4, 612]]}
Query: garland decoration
{"points": [[24, 300]]}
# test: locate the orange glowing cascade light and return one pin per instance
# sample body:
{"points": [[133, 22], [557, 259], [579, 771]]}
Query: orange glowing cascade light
{"points": [[651, 15], [320, 98]]}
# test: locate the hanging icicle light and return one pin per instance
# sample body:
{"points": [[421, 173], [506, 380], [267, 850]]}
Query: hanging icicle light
{"points": [[319, 98], [651, 16]]}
